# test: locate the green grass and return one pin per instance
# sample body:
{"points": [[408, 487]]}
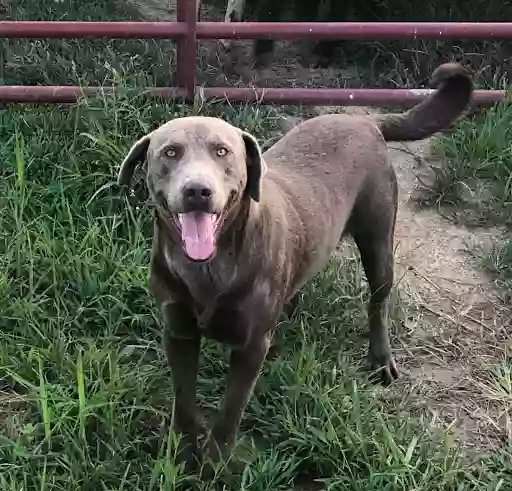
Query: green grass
{"points": [[499, 262], [86, 393], [476, 170], [474, 181]]}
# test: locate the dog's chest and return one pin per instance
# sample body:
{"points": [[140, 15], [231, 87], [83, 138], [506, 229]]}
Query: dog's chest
{"points": [[206, 281]]}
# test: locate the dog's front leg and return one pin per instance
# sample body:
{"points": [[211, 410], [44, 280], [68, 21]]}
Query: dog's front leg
{"points": [[182, 342], [244, 369]]}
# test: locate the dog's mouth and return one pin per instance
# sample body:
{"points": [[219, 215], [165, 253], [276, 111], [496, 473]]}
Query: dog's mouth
{"points": [[198, 230]]}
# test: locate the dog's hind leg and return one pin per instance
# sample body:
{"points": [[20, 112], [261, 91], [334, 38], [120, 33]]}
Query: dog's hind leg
{"points": [[323, 51], [268, 11], [234, 11], [372, 226]]}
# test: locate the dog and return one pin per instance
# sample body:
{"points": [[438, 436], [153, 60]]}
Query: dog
{"points": [[237, 233], [322, 52], [234, 10]]}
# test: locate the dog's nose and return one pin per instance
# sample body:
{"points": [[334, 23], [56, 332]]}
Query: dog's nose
{"points": [[196, 195]]}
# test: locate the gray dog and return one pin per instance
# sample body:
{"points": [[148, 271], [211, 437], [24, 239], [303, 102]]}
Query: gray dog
{"points": [[237, 233]]}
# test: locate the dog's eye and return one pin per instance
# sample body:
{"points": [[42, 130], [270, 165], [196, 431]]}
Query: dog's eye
{"points": [[222, 152], [171, 153]]}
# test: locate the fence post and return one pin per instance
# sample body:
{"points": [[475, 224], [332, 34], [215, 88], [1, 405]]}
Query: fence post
{"points": [[186, 64]]}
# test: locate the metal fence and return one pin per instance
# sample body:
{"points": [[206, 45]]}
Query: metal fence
{"points": [[187, 31]]}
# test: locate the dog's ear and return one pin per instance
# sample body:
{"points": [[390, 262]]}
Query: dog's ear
{"points": [[256, 166], [136, 155]]}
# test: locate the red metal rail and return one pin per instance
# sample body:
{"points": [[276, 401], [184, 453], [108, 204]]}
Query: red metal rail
{"points": [[345, 97], [251, 30], [187, 48], [187, 31]]}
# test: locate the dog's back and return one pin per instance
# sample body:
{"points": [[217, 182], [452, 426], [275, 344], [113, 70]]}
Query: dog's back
{"points": [[322, 166]]}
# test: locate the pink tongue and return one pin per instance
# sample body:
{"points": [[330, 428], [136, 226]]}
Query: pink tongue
{"points": [[197, 234]]}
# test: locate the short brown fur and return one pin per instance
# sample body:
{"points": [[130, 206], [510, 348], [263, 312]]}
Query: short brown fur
{"points": [[328, 176]]}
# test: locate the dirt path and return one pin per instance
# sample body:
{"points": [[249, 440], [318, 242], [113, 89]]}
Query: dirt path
{"points": [[460, 329], [461, 332]]}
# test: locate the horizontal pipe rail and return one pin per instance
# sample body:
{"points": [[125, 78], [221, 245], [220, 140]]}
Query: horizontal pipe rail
{"points": [[187, 30], [348, 97], [252, 30], [77, 30], [368, 31]]}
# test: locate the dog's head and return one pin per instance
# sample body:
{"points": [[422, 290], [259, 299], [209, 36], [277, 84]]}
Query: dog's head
{"points": [[198, 171]]}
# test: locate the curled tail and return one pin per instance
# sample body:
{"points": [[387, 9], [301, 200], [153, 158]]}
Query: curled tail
{"points": [[437, 112]]}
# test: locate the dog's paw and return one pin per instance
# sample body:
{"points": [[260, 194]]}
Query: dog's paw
{"points": [[383, 369], [187, 455], [215, 456]]}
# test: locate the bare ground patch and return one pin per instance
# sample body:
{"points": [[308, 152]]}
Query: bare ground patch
{"points": [[460, 330], [464, 328]]}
